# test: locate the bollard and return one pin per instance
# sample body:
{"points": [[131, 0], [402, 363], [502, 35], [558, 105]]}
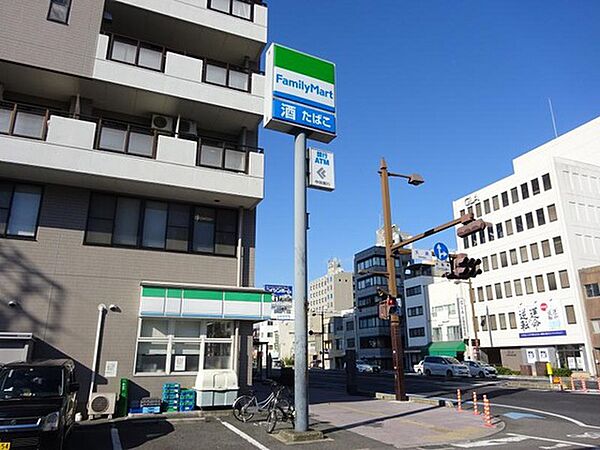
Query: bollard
{"points": [[459, 400], [475, 409], [572, 383], [583, 385], [487, 417]]}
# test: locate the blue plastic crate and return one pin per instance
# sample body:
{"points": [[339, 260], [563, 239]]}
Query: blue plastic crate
{"points": [[186, 408], [151, 410]]}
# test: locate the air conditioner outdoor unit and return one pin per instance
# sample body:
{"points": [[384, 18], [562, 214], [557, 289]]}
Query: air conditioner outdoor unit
{"points": [[102, 405], [162, 123], [188, 127]]}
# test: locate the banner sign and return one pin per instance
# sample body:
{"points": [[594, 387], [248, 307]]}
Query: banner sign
{"points": [[540, 318], [281, 307], [300, 93], [321, 170]]}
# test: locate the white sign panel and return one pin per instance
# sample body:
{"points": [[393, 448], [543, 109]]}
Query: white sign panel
{"points": [[322, 170], [544, 354], [110, 370], [180, 363], [531, 355], [540, 318]]}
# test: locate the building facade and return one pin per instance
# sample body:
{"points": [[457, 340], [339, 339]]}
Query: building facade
{"points": [[129, 177], [590, 289], [546, 227], [332, 292]]}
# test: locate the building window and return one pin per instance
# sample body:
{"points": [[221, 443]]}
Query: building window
{"points": [[59, 11], [454, 333], [512, 321], [462, 212], [546, 248], [411, 291], [504, 198], [535, 253], [370, 322], [374, 280], [494, 259], [137, 53], [563, 276], [513, 257], [502, 319], [226, 75], [514, 194], [490, 233], [19, 209], [552, 217], [535, 186], [480, 294], [495, 203], [478, 209], [529, 220], [474, 240], [484, 325], [499, 231], [551, 281], [539, 283], [436, 334], [489, 293], [482, 236], [350, 326], [508, 227], [415, 311], [486, 206], [519, 224], [493, 324], [416, 332], [528, 285], [546, 182], [541, 219], [350, 343], [518, 287], [558, 247], [237, 8], [485, 263], [524, 191], [570, 311], [523, 252], [507, 289], [503, 259], [466, 242], [596, 326], [498, 289], [592, 290]]}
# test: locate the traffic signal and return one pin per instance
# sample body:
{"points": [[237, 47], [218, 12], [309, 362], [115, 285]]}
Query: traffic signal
{"points": [[462, 267], [472, 227]]}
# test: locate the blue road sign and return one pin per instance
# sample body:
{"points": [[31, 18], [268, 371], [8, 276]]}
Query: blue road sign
{"points": [[441, 251]]}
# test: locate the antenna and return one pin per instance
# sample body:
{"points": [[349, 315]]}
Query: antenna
{"points": [[552, 116]]}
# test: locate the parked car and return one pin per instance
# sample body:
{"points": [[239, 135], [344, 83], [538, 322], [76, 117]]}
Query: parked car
{"points": [[418, 368], [37, 404], [445, 366], [481, 369], [365, 366]]}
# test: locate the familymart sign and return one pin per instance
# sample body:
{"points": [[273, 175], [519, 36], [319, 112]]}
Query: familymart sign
{"points": [[300, 93]]}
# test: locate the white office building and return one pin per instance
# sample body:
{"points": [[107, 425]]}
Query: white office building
{"points": [[332, 292], [546, 226]]}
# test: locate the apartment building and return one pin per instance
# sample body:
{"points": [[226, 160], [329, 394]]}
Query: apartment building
{"points": [[332, 292], [546, 227], [130, 174]]}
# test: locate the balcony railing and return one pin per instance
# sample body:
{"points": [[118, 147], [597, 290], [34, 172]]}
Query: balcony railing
{"points": [[244, 9], [31, 121]]}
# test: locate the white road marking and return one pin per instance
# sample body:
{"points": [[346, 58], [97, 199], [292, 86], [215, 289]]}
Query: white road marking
{"points": [[551, 447], [586, 435], [577, 444], [490, 442], [243, 435], [116, 440]]}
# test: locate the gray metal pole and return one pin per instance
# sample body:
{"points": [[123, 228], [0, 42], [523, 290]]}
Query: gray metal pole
{"points": [[300, 282]]}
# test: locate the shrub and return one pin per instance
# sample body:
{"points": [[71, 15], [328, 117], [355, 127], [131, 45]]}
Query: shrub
{"points": [[562, 372], [287, 362], [506, 371]]}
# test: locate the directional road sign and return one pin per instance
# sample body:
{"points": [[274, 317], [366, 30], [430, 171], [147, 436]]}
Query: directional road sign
{"points": [[441, 251]]}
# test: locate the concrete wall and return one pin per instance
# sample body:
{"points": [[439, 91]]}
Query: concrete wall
{"points": [[59, 282], [26, 36]]}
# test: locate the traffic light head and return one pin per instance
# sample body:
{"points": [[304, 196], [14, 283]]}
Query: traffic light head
{"points": [[472, 227], [463, 267]]}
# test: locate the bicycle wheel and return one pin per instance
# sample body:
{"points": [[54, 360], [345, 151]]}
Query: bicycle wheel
{"points": [[242, 408], [274, 416]]}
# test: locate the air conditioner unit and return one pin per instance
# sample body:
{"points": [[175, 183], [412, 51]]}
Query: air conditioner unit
{"points": [[102, 405], [188, 127], [162, 123]]}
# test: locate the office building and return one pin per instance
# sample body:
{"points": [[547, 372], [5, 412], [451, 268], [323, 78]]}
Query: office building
{"points": [[331, 292]]}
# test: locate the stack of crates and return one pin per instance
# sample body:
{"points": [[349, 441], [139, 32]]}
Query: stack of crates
{"points": [[170, 396], [187, 400], [150, 405]]}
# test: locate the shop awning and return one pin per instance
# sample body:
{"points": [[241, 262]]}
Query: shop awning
{"points": [[448, 348]]}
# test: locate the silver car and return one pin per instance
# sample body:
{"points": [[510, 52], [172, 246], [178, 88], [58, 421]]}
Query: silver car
{"points": [[445, 366], [481, 369]]}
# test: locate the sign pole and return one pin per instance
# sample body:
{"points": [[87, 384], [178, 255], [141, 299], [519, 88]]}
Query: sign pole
{"points": [[300, 285]]}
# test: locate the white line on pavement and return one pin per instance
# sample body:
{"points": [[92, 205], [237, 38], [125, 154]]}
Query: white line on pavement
{"points": [[116, 440], [244, 435], [577, 444]]}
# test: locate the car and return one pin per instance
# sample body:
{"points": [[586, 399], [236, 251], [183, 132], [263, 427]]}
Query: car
{"points": [[365, 366], [37, 404], [445, 366], [418, 368], [481, 369]]}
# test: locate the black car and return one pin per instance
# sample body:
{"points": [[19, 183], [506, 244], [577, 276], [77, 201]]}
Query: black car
{"points": [[37, 404]]}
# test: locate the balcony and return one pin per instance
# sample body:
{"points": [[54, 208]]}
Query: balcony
{"points": [[96, 153], [140, 65]]}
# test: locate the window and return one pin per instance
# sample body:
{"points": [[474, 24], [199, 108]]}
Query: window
{"points": [[482, 236], [486, 206], [564, 279], [19, 209], [498, 289], [238, 8], [466, 242], [529, 221], [558, 247], [375, 342], [596, 326], [551, 281], [535, 186], [546, 182], [495, 203], [592, 290], [489, 293], [350, 343], [513, 257], [155, 225], [485, 263], [546, 248], [528, 285], [502, 319], [505, 198], [484, 325], [350, 326], [415, 290], [508, 227], [415, 311], [494, 259], [228, 76], [493, 324], [539, 283], [478, 209], [514, 194], [519, 224], [490, 233], [507, 289], [541, 219], [499, 231], [137, 53], [462, 212], [474, 240], [512, 321], [436, 334], [480, 294], [222, 155], [570, 311], [518, 287], [59, 11], [416, 332], [127, 219], [178, 228], [454, 333], [523, 252], [552, 213], [503, 259], [370, 322], [122, 138], [470, 210], [535, 253], [524, 191]]}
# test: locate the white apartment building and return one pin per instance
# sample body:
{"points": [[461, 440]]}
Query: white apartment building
{"points": [[279, 337], [332, 292], [546, 227]]}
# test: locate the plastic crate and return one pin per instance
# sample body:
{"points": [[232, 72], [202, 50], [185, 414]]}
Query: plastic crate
{"points": [[150, 401], [151, 410]]}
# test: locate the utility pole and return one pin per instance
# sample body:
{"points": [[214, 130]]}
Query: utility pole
{"points": [[475, 343]]}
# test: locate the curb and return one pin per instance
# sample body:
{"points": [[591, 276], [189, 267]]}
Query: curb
{"points": [[190, 415]]}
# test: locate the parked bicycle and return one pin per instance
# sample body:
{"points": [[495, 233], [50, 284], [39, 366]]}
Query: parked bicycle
{"points": [[279, 414], [246, 406]]}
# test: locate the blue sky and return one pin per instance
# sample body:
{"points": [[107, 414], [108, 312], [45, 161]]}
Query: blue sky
{"points": [[452, 90]]}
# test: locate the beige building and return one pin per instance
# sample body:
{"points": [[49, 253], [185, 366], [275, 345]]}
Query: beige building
{"points": [[130, 176]]}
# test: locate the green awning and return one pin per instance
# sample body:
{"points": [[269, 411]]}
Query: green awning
{"points": [[448, 348]]}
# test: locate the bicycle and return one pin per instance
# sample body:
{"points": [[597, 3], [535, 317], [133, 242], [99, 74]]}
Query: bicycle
{"points": [[279, 414], [246, 406]]}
